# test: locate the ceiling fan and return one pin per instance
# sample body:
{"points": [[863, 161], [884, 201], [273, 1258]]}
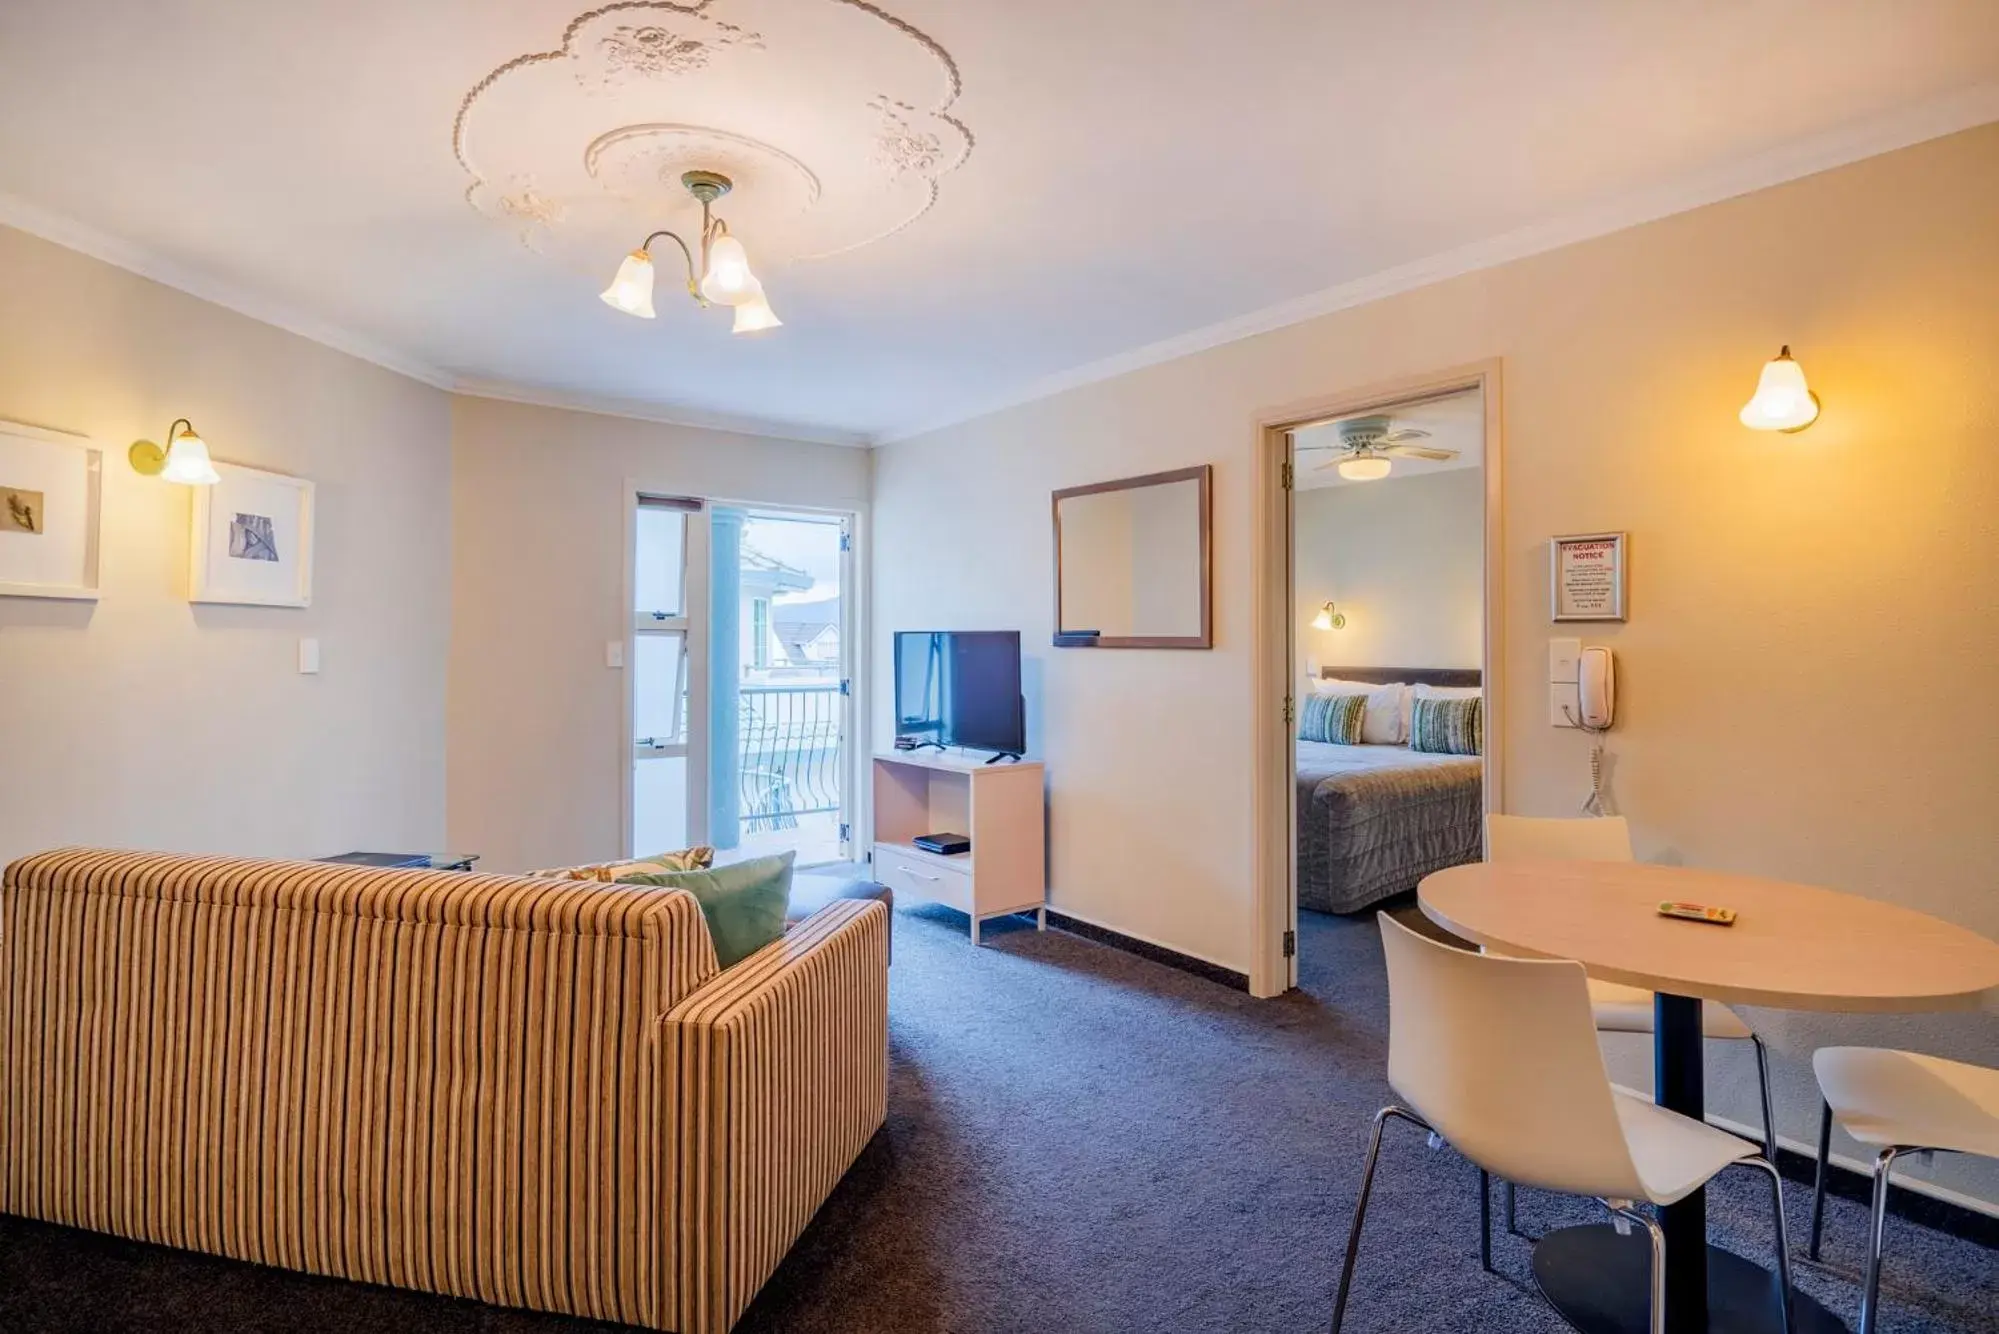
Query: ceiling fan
{"points": [[1369, 444]]}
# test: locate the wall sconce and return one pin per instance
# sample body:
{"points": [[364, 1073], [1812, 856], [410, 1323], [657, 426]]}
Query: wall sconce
{"points": [[1783, 401], [184, 460], [1329, 618]]}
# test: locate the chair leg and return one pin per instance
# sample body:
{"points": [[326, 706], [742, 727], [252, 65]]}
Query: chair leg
{"points": [[1783, 1235], [1360, 1207], [1870, 1302], [1485, 1220], [1656, 1321], [1818, 1178], [1769, 1105], [1512, 1210]]}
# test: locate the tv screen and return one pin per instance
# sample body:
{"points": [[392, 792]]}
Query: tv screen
{"points": [[960, 688]]}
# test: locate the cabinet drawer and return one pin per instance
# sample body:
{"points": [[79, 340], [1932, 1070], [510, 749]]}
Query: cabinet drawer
{"points": [[922, 878]]}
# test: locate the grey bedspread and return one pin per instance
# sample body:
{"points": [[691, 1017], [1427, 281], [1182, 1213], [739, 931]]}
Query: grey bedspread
{"points": [[1374, 820]]}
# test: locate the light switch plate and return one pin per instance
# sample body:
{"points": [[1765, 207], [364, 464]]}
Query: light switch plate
{"points": [[614, 653], [308, 657], [1564, 704], [1563, 657]]}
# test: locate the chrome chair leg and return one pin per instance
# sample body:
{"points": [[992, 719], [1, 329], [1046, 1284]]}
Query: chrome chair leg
{"points": [[1360, 1206], [1656, 1319], [1769, 1105], [1818, 1178], [1870, 1301], [1783, 1235]]}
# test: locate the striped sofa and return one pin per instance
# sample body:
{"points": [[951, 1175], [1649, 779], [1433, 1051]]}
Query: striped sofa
{"points": [[533, 1093]]}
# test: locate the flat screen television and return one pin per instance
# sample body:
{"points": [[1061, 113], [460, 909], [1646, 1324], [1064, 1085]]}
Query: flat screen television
{"points": [[960, 688]]}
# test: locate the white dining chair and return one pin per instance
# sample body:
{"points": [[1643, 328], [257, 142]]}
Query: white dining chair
{"points": [[1898, 1102], [1498, 1057], [1618, 1008]]}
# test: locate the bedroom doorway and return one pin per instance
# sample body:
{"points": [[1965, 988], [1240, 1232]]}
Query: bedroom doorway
{"points": [[1377, 635]]}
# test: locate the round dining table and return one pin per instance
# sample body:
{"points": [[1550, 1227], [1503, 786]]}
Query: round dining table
{"points": [[1791, 947]]}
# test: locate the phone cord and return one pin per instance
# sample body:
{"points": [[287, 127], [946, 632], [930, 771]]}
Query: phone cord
{"points": [[1594, 803]]}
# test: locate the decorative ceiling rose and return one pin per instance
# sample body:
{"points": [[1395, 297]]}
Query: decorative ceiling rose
{"points": [[832, 119]]}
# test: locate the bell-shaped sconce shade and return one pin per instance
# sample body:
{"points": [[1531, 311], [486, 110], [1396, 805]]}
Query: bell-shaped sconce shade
{"points": [[631, 290], [1329, 618], [729, 281], [187, 460], [755, 315], [1365, 468], [1783, 401]]}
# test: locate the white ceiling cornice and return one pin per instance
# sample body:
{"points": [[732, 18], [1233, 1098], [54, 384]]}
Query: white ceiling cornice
{"points": [[1934, 119], [663, 413], [23, 216]]}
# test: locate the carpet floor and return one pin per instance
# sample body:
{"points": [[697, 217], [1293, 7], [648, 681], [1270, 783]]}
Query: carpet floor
{"points": [[1077, 1140]]}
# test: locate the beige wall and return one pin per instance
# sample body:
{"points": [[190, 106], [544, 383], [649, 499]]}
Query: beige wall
{"points": [[1405, 560], [1807, 685], [538, 501], [146, 722]]}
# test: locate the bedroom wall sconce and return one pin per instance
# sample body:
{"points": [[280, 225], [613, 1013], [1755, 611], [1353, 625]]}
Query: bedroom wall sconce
{"points": [[184, 460], [1329, 618], [1783, 401]]}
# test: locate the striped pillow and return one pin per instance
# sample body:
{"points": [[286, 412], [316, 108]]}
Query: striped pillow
{"points": [[687, 859], [1448, 726], [1334, 718]]}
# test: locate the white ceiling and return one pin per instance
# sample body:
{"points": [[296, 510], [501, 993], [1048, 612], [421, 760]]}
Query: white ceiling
{"points": [[1454, 421], [1143, 176]]}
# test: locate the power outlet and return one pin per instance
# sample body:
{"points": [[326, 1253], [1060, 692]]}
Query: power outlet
{"points": [[614, 653]]}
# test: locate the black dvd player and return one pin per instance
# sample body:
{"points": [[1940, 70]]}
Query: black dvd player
{"points": [[949, 845]]}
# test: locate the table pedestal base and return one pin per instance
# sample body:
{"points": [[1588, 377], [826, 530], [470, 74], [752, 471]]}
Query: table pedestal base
{"points": [[1601, 1284]]}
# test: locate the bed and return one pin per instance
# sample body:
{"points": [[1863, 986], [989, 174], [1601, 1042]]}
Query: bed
{"points": [[1375, 819]]}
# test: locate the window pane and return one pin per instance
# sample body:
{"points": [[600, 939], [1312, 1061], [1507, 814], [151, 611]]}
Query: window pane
{"points": [[659, 805], [659, 690], [659, 585]]}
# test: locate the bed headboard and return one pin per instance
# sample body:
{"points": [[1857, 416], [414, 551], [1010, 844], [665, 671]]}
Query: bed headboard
{"points": [[1415, 676]]}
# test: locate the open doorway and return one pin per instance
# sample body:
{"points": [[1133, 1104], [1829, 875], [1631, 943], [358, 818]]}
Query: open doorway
{"points": [[1381, 626]]}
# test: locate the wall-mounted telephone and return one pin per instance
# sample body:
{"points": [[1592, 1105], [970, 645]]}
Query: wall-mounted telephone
{"points": [[1590, 703], [1596, 689]]}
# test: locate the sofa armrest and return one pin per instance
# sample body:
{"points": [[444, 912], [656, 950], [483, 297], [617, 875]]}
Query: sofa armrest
{"points": [[781, 1070]]}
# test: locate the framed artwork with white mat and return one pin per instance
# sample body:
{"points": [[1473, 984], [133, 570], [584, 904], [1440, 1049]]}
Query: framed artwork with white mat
{"points": [[51, 507], [252, 539]]}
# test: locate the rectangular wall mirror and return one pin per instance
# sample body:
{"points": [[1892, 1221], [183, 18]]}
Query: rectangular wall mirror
{"points": [[1132, 562]]}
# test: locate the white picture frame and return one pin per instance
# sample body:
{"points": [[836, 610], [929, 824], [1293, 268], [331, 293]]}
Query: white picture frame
{"points": [[51, 513], [250, 542], [1587, 577]]}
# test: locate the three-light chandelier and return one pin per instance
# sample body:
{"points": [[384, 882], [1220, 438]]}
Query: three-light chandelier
{"points": [[724, 276]]}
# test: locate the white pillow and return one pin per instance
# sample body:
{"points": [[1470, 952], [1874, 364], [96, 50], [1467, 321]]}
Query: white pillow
{"points": [[1385, 722], [1448, 692]]}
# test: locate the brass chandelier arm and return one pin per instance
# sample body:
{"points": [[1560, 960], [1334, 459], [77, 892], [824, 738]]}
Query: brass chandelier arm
{"points": [[693, 281]]}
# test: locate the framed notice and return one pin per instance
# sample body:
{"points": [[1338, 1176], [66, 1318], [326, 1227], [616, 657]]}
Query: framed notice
{"points": [[51, 492], [1587, 577]]}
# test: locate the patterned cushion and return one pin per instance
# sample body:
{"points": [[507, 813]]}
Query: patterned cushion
{"points": [[1448, 726], [1334, 718], [687, 859]]}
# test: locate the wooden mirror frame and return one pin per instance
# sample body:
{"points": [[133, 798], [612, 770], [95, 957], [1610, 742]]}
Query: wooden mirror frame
{"points": [[1204, 475]]}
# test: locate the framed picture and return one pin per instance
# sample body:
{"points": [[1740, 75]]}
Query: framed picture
{"points": [[252, 539], [51, 504], [1586, 577]]}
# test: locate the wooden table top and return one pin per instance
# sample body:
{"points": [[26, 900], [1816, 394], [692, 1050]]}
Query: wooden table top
{"points": [[1793, 947]]}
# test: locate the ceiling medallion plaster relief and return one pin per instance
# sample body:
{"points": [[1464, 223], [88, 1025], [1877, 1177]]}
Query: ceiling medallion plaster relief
{"points": [[832, 117]]}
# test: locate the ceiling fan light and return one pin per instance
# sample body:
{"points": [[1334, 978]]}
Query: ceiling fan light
{"points": [[631, 290], [1365, 468], [755, 315], [729, 281], [1783, 401]]}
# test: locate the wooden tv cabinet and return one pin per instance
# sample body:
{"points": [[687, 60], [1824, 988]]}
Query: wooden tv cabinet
{"points": [[1000, 807]]}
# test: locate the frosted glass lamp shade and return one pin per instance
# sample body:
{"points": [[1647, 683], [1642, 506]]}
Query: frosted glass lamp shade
{"points": [[1329, 618], [187, 461], [1783, 401], [729, 281], [631, 290], [1365, 468], [755, 315]]}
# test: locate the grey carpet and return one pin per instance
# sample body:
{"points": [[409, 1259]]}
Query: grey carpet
{"points": [[1078, 1140]]}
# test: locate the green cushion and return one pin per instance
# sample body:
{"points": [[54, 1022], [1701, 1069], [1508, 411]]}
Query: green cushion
{"points": [[744, 902]]}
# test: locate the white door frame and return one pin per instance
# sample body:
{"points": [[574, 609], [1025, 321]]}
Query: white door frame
{"points": [[1274, 888]]}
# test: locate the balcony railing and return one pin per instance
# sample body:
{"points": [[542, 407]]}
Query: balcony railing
{"points": [[789, 759]]}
